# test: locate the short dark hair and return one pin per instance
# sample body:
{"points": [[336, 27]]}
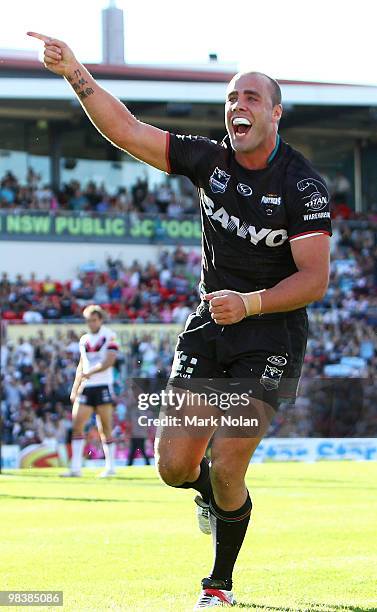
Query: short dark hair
{"points": [[275, 91], [274, 87]]}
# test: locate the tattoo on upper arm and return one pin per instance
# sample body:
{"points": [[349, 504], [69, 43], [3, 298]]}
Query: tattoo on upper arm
{"points": [[78, 83]]}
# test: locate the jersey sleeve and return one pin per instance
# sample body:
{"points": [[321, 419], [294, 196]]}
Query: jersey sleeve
{"points": [[308, 207], [82, 346], [112, 342], [190, 156]]}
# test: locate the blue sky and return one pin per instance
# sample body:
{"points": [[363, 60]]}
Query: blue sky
{"points": [[324, 40]]}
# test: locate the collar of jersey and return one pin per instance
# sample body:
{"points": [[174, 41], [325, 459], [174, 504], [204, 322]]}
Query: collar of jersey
{"points": [[276, 148], [226, 142]]}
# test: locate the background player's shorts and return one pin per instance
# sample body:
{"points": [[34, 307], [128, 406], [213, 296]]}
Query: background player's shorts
{"points": [[254, 356], [95, 396]]}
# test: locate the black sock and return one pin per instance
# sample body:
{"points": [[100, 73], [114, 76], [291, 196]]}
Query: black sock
{"points": [[202, 484], [228, 532]]}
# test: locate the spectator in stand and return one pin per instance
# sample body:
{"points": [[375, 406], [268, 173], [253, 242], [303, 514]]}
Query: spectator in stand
{"points": [[174, 209], [67, 304], [8, 187], [50, 308], [32, 178], [163, 198], [4, 284], [49, 429], [341, 187], [32, 315], [139, 192], [149, 205], [340, 210], [101, 293]]}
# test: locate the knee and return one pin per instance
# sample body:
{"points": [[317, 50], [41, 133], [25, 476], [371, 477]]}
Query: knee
{"points": [[223, 477], [173, 464], [173, 472]]}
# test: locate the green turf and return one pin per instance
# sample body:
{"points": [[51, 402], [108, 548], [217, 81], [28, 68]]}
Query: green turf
{"points": [[130, 543]]}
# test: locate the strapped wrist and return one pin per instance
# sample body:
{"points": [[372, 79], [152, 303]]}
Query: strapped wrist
{"points": [[252, 302]]}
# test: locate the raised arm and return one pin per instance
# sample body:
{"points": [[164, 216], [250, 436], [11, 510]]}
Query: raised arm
{"points": [[108, 114]]}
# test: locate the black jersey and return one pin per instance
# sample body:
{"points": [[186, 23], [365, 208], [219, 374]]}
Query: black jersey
{"points": [[249, 217]]}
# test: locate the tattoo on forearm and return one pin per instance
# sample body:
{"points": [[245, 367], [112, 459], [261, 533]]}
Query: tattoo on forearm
{"points": [[78, 84]]}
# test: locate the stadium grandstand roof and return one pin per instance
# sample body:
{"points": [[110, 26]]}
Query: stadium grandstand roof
{"points": [[141, 82]]}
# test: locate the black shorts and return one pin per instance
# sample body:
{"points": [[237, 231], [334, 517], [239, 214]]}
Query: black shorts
{"points": [[95, 396], [261, 356]]}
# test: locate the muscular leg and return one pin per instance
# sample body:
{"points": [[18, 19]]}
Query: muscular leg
{"points": [[81, 413], [230, 459], [230, 504], [179, 455], [104, 419]]}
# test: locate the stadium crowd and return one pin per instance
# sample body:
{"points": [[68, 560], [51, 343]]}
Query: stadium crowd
{"points": [[92, 198], [338, 393], [163, 292], [139, 198]]}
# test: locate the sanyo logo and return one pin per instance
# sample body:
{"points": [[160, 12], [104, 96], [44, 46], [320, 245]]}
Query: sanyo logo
{"points": [[273, 238]]}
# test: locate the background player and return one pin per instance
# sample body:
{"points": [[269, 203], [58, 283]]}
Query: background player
{"points": [[255, 262], [92, 389]]}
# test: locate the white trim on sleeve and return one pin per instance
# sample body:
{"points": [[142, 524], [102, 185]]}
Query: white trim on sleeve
{"points": [[307, 236]]}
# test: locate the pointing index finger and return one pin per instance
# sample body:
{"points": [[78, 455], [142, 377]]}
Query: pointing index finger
{"points": [[45, 39]]}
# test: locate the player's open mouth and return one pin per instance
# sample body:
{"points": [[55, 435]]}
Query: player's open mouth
{"points": [[241, 126]]}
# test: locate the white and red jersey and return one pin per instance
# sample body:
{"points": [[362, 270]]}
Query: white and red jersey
{"points": [[93, 350]]}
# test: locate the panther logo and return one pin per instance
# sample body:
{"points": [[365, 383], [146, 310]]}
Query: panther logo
{"points": [[270, 378], [219, 180]]}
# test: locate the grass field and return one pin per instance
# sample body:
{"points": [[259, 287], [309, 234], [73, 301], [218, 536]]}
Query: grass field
{"points": [[130, 543]]}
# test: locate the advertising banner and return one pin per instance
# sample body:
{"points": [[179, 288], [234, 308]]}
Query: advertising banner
{"points": [[125, 331], [316, 449], [270, 449], [92, 227]]}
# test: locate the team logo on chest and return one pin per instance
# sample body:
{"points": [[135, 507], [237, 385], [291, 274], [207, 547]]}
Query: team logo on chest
{"points": [[96, 348], [270, 203], [219, 180]]}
